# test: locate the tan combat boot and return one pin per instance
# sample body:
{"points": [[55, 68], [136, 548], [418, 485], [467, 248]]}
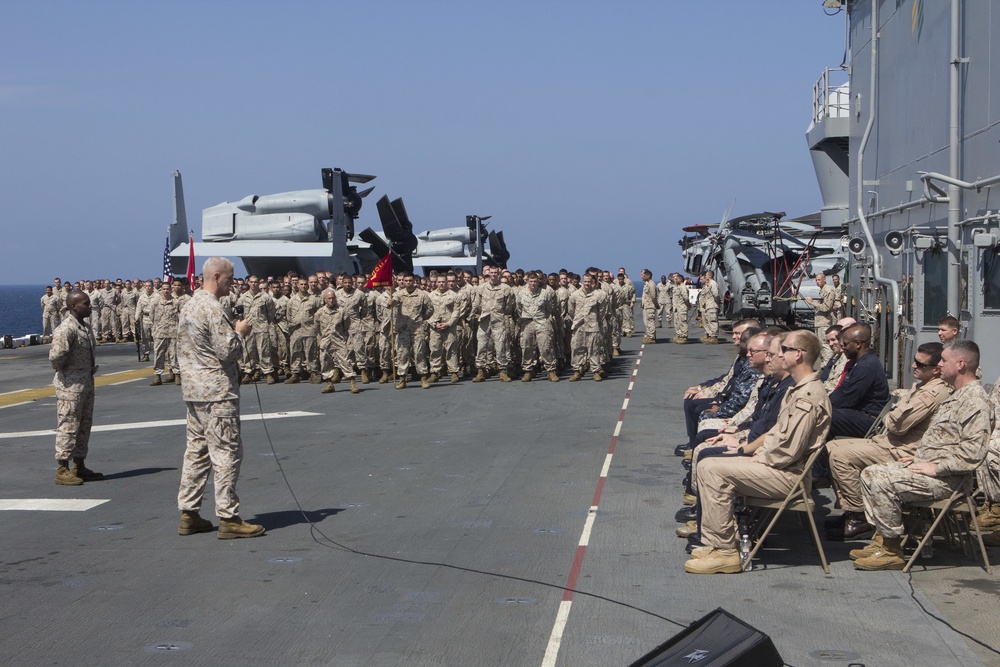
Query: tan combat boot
{"points": [[65, 477], [386, 376], [246, 379], [454, 378], [236, 527], [616, 352], [598, 376], [649, 341], [314, 378], [272, 378], [480, 376], [425, 382], [168, 378], [337, 376], [687, 529], [716, 561], [526, 377], [157, 381], [576, 376], [434, 377], [328, 389], [293, 378], [680, 340], [365, 378], [868, 550], [85, 473], [889, 556], [191, 523], [402, 382], [354, 386], [503, 375], [988, 517], [553, 376], [177, 379]]}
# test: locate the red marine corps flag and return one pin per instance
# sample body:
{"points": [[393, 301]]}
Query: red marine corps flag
{"points": [[382, 273], [191, 269]]}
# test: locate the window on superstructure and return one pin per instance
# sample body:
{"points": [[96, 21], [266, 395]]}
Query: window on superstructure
{"points": [[991, 280], [935, 282]]}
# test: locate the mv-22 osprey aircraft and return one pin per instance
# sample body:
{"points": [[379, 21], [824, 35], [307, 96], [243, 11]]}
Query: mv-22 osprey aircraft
{"points": [[313, 230]]}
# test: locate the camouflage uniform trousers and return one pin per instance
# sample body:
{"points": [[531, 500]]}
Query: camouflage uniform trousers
{"points": [[663, 314], [988, 474], [164, 355], [537, 344], [710, 321], [127, 319], [466, 344], [213, 445], [848, 457], [513, 343], [411, 349], [146, 347], [109, 322], [369, 345], [649, 322], [615, 339], [333, 354], [384, 350], [443, 350], [49, 323], [681, 322], [627, 317], [259, 352], [75, 417], [887, 486], [493, 333], [587, 352], [303, 355], [280, 338]]}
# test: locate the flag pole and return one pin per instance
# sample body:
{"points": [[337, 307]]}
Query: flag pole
{"points": [[392, 332]]}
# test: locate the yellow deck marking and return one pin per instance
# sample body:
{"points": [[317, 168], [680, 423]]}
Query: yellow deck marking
{"points": [[26, 395]]}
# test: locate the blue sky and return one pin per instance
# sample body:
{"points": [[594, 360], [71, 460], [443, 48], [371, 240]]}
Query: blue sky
{"points": [[591, 131]]}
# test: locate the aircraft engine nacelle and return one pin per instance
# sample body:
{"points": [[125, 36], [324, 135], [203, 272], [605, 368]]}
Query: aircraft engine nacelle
{"points": [[315, 203], [440, 249], [461, 234], [226, 222]]}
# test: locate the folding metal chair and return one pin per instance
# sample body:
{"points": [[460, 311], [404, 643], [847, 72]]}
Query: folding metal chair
{"points": [[798, 499], [958, 528]]}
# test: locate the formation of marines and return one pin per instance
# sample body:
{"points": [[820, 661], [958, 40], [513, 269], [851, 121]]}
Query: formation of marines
{"points": [[327, 329]]}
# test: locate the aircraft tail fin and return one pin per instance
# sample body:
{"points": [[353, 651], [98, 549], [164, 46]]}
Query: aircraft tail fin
{"points": [[179, 227]]}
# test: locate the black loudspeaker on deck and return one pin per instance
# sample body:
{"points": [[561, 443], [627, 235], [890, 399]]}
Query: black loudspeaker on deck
{"points": [[717, 639]]}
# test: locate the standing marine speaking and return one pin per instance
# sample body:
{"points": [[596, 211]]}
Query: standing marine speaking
{"points": [[210, 348]]}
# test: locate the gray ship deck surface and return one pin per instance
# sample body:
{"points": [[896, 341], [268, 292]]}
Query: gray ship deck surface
{"points": [[494, 478]]}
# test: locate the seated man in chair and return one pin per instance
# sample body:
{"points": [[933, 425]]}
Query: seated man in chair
{"points": [[904, 426], [802, 427], [954, 445]]}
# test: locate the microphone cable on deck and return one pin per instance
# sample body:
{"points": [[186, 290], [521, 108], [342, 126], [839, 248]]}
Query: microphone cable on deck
{"points": [[330, 543]]}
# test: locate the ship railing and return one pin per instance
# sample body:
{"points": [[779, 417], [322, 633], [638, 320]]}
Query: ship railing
{"points": [[830, 101]]}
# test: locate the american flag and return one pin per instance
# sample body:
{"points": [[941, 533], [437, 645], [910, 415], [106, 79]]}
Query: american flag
{"points": [[167, 272]]}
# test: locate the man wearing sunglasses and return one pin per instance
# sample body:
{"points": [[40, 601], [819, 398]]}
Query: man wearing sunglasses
{"points": [[904, 426], [802, 427], [954, 444]]}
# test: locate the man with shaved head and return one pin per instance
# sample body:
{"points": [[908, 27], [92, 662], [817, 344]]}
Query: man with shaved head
{"points": [[72, 357], [210, 348]]}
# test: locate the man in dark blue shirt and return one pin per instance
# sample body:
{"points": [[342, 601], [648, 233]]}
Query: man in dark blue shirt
{"points": [[864, 391]]}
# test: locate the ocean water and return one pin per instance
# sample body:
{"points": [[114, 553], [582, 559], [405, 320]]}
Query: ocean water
{"points": [[20, 309]]}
